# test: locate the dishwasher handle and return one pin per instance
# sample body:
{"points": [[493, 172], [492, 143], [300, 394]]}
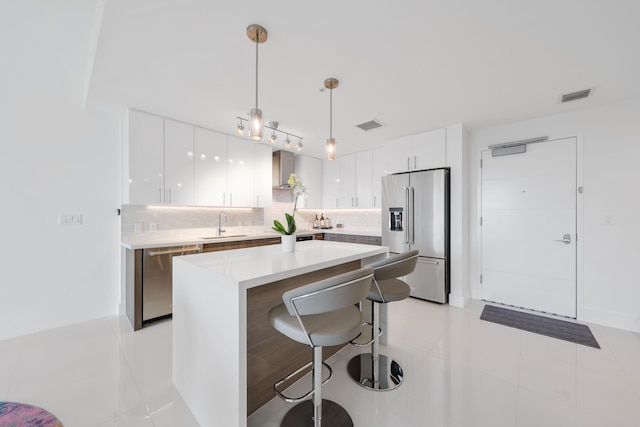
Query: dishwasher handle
{"points": [[175, 251]]}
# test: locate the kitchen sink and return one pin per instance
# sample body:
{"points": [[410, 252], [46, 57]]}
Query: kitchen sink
{"points": [[223, 236]]}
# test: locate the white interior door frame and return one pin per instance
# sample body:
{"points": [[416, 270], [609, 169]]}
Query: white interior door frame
{"points": [[578, 135]]}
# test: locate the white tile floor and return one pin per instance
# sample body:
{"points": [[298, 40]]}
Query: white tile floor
{"points": [[460, 371]]}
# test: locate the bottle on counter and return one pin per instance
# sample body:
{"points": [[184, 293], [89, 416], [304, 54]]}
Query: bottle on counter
{"points": [[316, 222], [327, 222], [321, 220]]}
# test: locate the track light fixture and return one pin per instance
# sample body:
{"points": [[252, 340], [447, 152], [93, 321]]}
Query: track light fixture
{"points": [[273, 126], [240, 129]]}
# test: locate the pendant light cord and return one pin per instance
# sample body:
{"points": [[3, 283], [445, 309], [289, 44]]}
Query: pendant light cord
{"points": [[257, 38], [331, 113]]}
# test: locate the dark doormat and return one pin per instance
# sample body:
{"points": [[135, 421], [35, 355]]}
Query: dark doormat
{"points": [[555, 328]]}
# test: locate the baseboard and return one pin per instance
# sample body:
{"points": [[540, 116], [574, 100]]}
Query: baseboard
{"points": [[614, 320], [457, 300]]}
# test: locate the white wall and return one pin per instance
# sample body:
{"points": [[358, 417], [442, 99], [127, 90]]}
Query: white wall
{"points": [[56, 158], [457, 158], [609, 268]]}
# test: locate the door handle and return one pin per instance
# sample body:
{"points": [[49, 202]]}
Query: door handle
{"points": [[566, 239], [406, 218]]}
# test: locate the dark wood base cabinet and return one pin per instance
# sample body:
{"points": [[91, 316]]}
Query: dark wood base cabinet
{"points": [[353, 238]]}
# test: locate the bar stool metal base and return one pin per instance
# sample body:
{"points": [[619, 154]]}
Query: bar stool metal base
{"points": [[362, 370], [301, 415]]}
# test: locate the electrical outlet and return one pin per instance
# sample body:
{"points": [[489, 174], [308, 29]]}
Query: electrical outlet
{"points": [[69, 219]]}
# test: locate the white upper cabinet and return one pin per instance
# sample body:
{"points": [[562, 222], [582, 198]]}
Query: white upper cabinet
{"points": [[240, 178], [210, 167], [364, 179], [353, 181], [425, 150], [178, 163], [175, 163], [309, 169], [377, 173], [330, 184], [263, 163], [347, 175], [146, 159]]}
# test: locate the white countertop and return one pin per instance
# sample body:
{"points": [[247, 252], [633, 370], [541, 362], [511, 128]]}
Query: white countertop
{"points": [[196, 236], [256, 266]]}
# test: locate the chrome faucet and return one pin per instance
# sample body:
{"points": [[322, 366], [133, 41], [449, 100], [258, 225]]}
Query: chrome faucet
{"points": [[220, 216]]}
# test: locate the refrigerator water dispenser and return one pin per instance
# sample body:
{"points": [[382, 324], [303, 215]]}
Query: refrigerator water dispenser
{"points": [[395, 219]]}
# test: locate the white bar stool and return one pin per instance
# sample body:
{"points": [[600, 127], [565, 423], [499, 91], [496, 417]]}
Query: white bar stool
{"points": [[322, 313]]}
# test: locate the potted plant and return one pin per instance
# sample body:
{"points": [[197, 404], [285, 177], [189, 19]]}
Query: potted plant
{"points": [[288, 231]]}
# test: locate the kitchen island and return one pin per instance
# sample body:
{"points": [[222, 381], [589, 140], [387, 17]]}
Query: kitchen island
{"points": [[226, 356]]}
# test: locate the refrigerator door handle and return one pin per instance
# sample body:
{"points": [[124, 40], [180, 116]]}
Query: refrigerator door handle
{"points": [[407, 219], [412, 216]]}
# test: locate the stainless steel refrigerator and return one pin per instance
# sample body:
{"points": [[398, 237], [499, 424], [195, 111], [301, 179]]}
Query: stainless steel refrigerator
{"points": [[415, 215]]}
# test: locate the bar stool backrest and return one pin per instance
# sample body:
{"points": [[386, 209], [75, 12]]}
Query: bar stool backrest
{"points": [[330, 294], [396, 265]]}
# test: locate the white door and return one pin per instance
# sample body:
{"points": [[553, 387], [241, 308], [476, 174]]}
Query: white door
{"points": [[529, 227]]}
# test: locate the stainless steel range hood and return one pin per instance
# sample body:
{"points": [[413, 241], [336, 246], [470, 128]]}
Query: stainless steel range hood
{"points": [[283, 167]]}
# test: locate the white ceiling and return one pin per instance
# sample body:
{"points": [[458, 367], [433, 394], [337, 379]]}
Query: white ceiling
{"points": [[415, 65]]}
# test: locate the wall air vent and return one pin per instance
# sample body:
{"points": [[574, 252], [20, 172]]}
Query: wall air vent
{"points": [[575, 95], [372, 124]]}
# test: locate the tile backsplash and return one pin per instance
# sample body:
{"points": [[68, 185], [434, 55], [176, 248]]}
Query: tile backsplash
{"points": [[138, 218]]}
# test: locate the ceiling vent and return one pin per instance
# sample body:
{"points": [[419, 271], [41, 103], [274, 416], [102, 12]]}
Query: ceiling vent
{"points": [[372, 124], [575, 95]]}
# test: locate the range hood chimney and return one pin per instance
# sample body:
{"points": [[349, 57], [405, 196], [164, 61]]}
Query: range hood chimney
{"points": [[283, 167]]}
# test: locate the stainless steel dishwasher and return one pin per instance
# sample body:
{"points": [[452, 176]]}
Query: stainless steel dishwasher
{"points": [[157, 279]]}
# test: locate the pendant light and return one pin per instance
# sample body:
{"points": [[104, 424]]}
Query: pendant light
{"points": [[257, 34], [331, 84]]}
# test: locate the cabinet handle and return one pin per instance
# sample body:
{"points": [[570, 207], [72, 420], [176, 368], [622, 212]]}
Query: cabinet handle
{"points": [[175, 251], [352, 202], [374, 201], [408, 165], [357, 202], [169, 197], [336, 202], [414, 162]]}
